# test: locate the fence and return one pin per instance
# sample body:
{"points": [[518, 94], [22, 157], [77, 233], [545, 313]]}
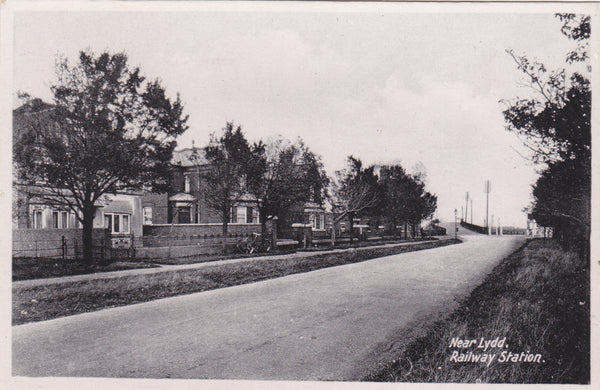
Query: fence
{"points": [[475, 228], [65, 249], [57, 243]]}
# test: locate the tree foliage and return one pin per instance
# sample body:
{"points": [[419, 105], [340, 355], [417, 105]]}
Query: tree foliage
{"points": [[555, 124], [283, 174], [404, 198], [228, 154], [109, 129], [356, 190]]}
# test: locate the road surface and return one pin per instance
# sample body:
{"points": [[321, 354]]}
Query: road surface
{"points": [[322, 325]]}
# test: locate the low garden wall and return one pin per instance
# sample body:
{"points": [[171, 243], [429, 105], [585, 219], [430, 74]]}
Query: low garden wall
{"points": [[54, 243], [194, 234], [208, 247]]}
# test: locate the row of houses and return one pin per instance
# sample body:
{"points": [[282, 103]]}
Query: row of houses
{"points": [[140, 213], [137, 214]]}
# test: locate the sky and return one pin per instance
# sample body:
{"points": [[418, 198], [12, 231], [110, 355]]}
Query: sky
{"points": [[421, 89]]}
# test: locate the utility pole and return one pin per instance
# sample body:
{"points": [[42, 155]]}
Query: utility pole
{"points": [[471, 210], [488, 189], [467, 207], [455, 227]]}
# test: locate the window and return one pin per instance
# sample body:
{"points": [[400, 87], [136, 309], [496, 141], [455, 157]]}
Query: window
{"points": [[108, 221], [116, 223], [241, 214], [64, 219], [60, 219], [183, 214], [249, 214], [147, 211], [186, 185], [125, 224], [317, 221], [244, 215], [37, 219]]}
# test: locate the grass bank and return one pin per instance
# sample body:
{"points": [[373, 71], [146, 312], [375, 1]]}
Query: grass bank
{"points": [[537, 300], [39, 268], [58, 300]]}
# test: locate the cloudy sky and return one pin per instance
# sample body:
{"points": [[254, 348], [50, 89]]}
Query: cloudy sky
{"points": [[378, 84]]}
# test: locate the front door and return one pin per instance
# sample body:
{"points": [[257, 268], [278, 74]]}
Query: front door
{"points": [[184, 214]]}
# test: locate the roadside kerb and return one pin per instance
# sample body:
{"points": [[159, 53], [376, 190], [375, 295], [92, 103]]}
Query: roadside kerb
{"points": [[166, 268]]}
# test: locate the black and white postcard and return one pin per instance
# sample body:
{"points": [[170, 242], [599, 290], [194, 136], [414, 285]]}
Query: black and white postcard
{"points": [[298, 194]]}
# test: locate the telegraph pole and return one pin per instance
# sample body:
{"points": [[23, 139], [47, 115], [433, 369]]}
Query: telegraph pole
{"points": [[471, 210], [467, 207], [455, 227], [488, 189]]}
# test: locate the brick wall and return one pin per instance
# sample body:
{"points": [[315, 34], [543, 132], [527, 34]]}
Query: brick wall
{"points": [[49, 242], [161, 235]]}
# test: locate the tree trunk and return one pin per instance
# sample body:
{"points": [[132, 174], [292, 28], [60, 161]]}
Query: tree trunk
{"points": [[225, 213], [351, 218], [333, 235], [224, 230], [263, 222], [87, 237]]}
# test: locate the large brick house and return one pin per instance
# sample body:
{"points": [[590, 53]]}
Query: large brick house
{"points": [[185, 202]]}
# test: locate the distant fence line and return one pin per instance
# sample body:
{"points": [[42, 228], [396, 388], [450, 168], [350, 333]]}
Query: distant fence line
{"points": [[484, 230]]}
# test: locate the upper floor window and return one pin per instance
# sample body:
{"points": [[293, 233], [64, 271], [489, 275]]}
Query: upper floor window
{"points": [[186, 184]]}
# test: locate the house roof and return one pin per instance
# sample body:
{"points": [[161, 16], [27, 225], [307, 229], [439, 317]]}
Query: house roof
{"points": [[182, 197], [189, 157], [246, 197]]}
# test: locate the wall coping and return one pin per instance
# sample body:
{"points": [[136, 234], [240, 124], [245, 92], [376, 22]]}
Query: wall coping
{"points": [[202, 224]]}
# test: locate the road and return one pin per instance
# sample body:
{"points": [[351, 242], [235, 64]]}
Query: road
{"points": [[329, 324]]}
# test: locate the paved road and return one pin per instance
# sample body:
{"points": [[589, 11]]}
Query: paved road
{"points": [[322, 325]]}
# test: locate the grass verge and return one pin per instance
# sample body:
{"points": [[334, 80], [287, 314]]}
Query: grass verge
{"points": [[57, 300], [38, 268], [538, 299]]}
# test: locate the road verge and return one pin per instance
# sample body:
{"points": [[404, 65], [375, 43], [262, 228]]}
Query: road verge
{"points": [[528, 322]]}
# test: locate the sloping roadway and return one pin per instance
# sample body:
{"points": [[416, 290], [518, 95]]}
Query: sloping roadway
{"points": [[320, 325]]}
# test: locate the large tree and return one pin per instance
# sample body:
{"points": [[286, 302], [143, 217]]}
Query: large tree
{"points": [[555, 124], [230, 156], [404, 198], [356, 192], [109, 130], [284, 174]]}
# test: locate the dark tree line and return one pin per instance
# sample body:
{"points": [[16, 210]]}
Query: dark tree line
{"points": [[281, 174], [277, 175], [555, 125], [385, 194]]}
